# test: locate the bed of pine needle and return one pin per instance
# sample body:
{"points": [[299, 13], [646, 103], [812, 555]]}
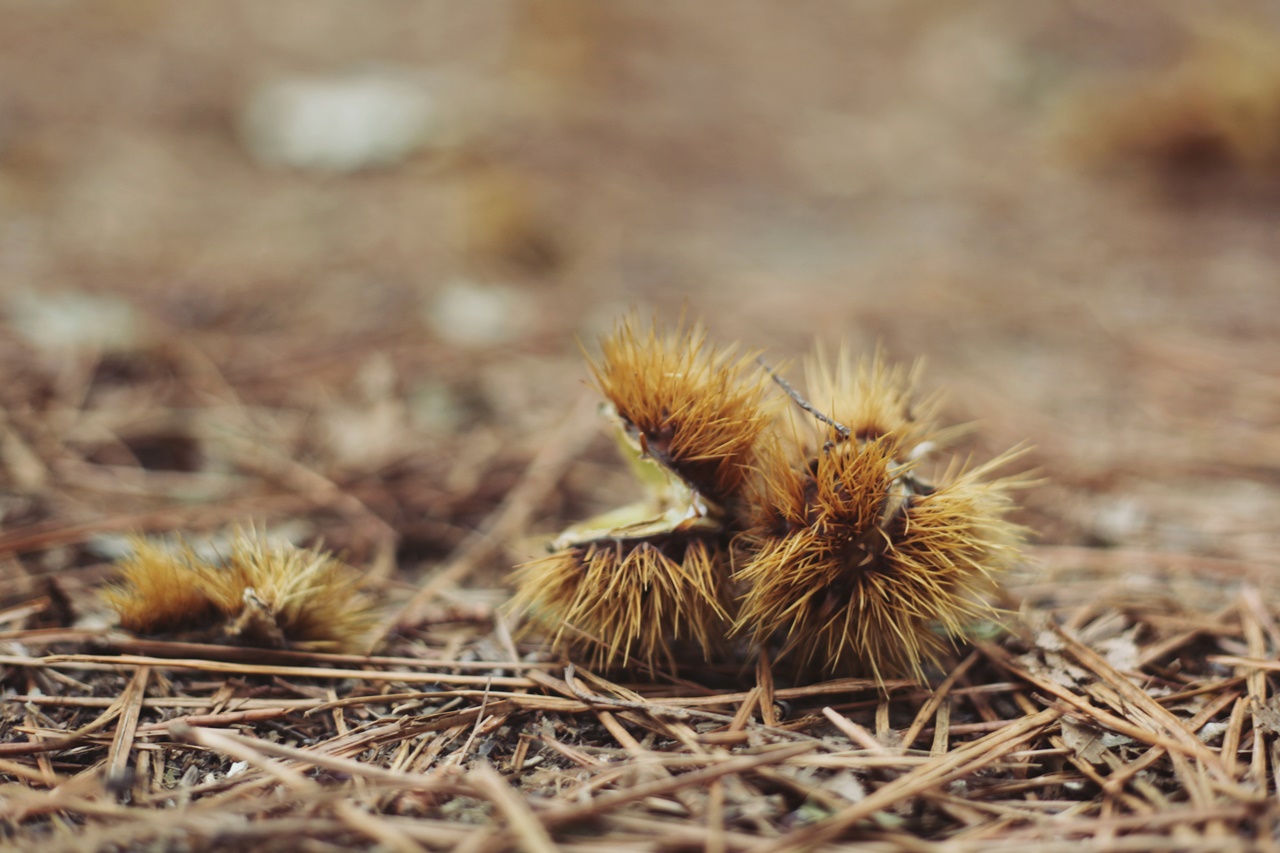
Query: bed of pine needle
{"points": [[1126, 707], [276, 361]]}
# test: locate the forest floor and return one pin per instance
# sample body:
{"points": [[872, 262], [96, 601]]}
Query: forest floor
{"points": [[1073, 217]]}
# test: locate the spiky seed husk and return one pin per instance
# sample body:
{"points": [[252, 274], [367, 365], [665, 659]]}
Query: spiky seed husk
{"points": [[845, 552], [617, 601], [266, 594], [313, 598], [697, 411], [645, 582], [165, 590], [859, 571], [873, 397], [850, 558]]}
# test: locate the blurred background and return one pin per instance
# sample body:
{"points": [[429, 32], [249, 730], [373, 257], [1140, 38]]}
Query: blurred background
{"points": [[328, 263]]}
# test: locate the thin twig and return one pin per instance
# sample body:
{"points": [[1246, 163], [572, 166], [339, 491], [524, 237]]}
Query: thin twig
{"points": [[800, 401]]}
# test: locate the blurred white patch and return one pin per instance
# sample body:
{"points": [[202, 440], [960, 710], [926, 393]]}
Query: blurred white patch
{"points": [[1118, 520], [372, 429], [73, 320], [341, 123], [475, 315], [1121, 652], [1211, 732]]}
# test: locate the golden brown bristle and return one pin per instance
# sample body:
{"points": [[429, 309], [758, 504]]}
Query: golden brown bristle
{"points": [[645, 583], [160, 590], [872, 397], [851, 560], [313, 598], [619, 601], [840, 550], [859, 569], [696, 411], [266, 594]]}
